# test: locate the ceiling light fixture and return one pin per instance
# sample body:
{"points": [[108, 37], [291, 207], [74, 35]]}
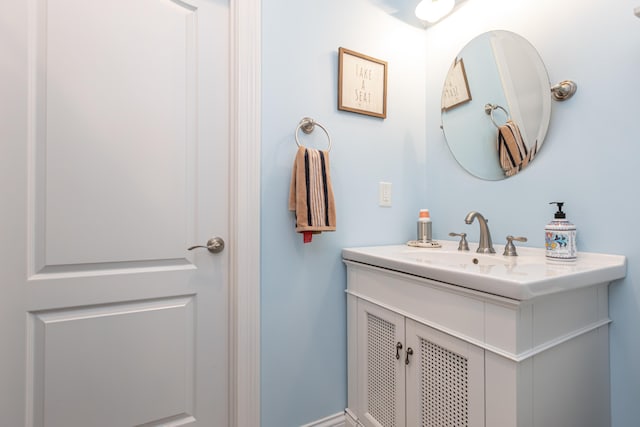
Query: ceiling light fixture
{"points": [[434, 10]]}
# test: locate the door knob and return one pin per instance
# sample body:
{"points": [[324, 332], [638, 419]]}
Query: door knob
{"points": [[214, 245]]}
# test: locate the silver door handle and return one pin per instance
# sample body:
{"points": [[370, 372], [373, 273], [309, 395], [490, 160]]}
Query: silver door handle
{"points": [[214, 245]]}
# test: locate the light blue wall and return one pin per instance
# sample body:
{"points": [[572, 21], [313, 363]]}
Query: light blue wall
{"points": [[303, 308], [589, 159]]}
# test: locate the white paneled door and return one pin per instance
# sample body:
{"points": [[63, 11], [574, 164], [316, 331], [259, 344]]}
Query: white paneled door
{"points": [[114, 126]]}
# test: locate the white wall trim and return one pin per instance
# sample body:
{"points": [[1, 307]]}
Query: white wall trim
{"points": [[336, 420], [244, 337], [350, 420]]}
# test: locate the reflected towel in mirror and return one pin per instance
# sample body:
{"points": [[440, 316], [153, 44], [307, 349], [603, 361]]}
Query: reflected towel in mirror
{"points": [[512, 150]]}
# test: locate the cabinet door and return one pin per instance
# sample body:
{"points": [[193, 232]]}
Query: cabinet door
{"points": [[445, 379], [381, 368]]}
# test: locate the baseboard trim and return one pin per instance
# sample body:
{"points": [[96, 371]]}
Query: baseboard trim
{"points": [[350, 420], [336, 420]]}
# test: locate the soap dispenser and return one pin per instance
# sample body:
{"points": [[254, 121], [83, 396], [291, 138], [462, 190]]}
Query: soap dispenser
{"points": [[560, 237]]}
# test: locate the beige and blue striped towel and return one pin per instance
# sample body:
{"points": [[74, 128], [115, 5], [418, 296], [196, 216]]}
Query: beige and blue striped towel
{"points": [[311, 193]]}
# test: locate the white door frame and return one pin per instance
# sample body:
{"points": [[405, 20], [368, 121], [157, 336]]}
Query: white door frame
{"points": [[244, 186]]}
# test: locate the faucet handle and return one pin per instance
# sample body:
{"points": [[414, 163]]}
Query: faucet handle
{"points": [[463, 245], [510, 248]]}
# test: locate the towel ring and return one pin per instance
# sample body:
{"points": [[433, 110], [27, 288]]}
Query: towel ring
{"points": [[490, 108], [307, 125]]}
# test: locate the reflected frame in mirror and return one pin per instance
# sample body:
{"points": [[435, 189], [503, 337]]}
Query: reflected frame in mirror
{"points": [[456, 86]]}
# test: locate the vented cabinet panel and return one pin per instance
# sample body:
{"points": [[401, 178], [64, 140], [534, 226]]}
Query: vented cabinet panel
{"points": [[382, 376], [444, 386], [445, 380], [381, 372]]}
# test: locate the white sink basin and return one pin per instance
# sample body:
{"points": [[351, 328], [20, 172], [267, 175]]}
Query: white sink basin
{"points": [[522, 277]]}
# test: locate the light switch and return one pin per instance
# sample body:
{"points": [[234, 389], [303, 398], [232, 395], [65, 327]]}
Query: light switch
{"points": [[384, 194]]}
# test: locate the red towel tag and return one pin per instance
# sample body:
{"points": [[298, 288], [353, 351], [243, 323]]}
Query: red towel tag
{"points": [[307, 236]]}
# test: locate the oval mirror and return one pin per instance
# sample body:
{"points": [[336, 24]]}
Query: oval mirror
{"points": [[496, 105]]}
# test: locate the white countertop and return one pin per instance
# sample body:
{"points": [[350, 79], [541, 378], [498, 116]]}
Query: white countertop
{"points": [[526, 276]]}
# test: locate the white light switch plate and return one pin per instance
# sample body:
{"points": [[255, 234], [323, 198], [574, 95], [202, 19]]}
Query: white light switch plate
{"points": [[384, 194]]}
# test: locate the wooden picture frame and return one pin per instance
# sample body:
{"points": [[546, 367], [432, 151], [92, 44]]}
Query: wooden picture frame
{"points": [[456, 87], [362, 84]]}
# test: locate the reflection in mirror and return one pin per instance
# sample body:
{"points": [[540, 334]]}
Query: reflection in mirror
{"points": [[496, 105]]}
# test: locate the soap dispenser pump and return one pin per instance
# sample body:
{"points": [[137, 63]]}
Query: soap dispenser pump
{"points": [[560, 237]]}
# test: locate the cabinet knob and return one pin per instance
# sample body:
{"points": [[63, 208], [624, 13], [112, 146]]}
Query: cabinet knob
{"points": [[409, 353], [398, 348]]}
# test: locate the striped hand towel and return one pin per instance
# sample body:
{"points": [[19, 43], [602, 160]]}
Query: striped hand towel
{"points": [[512, 150], [311, 193]]}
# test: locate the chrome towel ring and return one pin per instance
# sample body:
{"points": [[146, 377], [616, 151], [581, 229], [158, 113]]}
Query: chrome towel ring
{"points": [[307, 125], [490, 108]]}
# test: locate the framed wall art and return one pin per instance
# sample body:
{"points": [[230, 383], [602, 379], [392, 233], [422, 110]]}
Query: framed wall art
{"points": [[362, 84], [456, 87]]}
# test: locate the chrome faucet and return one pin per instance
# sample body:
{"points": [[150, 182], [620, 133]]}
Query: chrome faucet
{"points": [[485, 246]]}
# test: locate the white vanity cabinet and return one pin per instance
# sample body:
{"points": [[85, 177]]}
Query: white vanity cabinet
{"points": [[474, 358], [414, 375]]}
